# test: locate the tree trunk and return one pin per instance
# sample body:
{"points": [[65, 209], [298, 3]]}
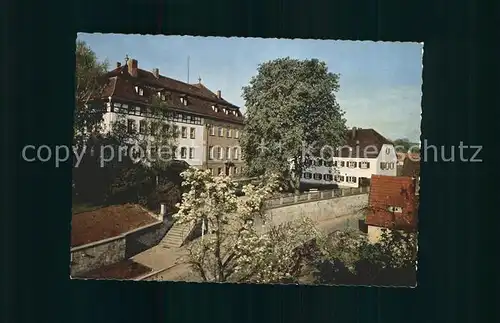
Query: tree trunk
{"points": [[219, 271]]}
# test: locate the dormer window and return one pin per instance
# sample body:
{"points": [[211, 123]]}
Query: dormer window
{"points": [[162, 96], [214, 108], [184, 100], [139, 90], [235, 113], [395, 209]]}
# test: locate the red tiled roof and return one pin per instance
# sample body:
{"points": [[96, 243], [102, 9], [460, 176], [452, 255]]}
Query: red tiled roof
{"points": [[121, 87], [107, 222], [359, 139], [392, 191]]}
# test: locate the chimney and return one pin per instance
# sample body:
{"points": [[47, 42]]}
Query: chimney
{"points": [[156, 72], [353, 132], [219, 95], [132, 67], [118, 64]]}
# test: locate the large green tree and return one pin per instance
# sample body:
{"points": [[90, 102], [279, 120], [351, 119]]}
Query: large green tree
{"points": [[89, 83], [292, 112], [404, 145], [105, 171]]}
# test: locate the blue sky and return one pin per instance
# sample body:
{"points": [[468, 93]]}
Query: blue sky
{"points": [[380, 82]]}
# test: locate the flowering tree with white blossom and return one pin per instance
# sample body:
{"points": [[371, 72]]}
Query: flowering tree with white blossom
{"points": [[235, 248]]}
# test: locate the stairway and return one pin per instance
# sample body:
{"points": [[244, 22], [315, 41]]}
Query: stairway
{"points": [[177, 235]]}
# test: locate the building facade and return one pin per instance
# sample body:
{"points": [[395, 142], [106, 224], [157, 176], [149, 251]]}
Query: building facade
{"points": [[190, 110], [365, 153], [224, 151]]}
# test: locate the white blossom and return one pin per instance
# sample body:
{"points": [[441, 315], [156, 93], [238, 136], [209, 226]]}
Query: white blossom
{"points": [[234, 250]]}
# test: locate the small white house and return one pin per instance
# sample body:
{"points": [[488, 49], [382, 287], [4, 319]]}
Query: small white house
{"points": [[365, 153]]}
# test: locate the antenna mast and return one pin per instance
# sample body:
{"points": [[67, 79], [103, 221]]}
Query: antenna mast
{"points": [[188, 70]]}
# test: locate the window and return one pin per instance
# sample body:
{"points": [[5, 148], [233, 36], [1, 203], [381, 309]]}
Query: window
{"points": [[165, 128], [184, 100], [137, 111], [211, 152], [351, 164], [116, 107], [317, 162], [339, 178], [228, 153], [162, 96], [183, 152], [211, 170], [139, 90], [153, 151], [175, 131], [191, 153], [395, 209], [214, 108], [184, 132], [130, 126], [218, 153], [153, 129], [237, 134], [221, 132], [364, 165], [192, 132], [318, 176], [163, 153], [212, 130], [328, 177], [143, 127], [342, 164], [228, 133], [174, 152], [335, 163], [386, 165], [235, 170], [219, 171], [307, 175], [351, 179], [235, 153]]}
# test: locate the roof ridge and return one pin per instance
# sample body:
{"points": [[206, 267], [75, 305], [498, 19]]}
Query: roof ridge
{"points": [[192, 86]]}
